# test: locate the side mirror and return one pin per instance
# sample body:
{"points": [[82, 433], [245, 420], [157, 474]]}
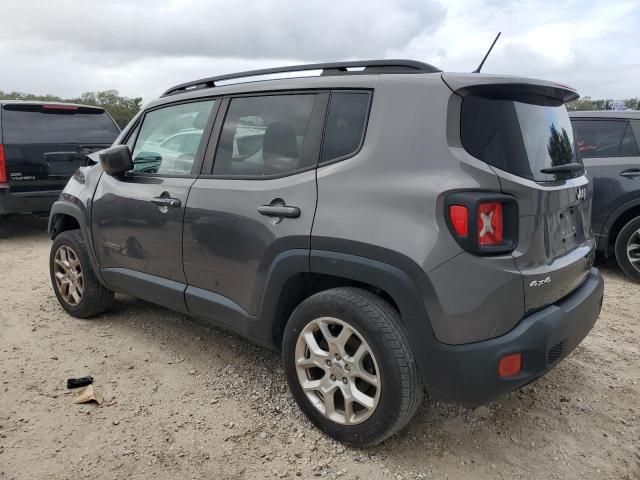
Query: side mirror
{"points": [[116, 160]]}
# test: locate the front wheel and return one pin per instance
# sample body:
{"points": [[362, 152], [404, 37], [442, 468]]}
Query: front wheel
{"points": [[628, 249], [74, 283], [350, 367]]}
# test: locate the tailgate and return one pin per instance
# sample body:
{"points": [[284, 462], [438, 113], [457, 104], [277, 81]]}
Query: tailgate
{"points": [[45, 143], [521, 128]]}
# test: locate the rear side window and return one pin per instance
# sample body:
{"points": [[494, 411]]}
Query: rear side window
{"points": [[346, 123], [520, 138], [265, 136], [33, 124], [605, 138]]}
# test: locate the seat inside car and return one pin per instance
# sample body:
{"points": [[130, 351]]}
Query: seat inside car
{"points": [[279, 148]]}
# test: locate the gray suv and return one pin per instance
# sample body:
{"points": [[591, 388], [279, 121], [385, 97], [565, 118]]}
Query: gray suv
{"points": [[608, 143], [391, 228]]}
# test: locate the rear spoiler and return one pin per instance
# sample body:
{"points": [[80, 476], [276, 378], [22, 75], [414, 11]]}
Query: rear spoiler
{"points": [[501, 87], [52, 107]]}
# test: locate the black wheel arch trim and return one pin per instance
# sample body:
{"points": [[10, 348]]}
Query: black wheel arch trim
{"points": [[603, 238], [394, 281], [77, 211]]}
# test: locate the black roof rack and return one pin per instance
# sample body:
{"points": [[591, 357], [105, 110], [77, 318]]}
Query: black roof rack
{"points": [[335, 68]]}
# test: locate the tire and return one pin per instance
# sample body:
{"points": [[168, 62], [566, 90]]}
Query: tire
{"points": [[91, 298], [372, 324], [628, 237]]}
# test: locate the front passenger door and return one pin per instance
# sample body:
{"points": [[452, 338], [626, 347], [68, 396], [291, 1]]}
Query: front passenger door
{"points": [[137, 217]]}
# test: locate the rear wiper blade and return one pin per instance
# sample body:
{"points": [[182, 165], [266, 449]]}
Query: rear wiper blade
{"points": [[566, 168]]}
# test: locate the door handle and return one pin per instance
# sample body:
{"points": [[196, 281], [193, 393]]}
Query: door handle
{"points": [[631, 173], [281, 211], [166, 202]]}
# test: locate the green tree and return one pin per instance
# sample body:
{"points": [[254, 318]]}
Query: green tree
{"points": [[122, 109], [559, 147]]}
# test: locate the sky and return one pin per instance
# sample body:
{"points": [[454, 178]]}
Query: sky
{"points": [[142, 47]]}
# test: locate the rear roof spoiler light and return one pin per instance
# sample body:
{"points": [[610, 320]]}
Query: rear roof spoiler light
{"points": [[59, 107]]}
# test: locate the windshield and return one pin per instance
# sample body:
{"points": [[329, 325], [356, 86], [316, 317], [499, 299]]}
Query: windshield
{"points": [[520, 138]]}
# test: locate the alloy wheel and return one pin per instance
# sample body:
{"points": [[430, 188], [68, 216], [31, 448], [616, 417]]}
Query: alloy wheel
{"points": [[633, 249], [337, 371], [68, 275]]}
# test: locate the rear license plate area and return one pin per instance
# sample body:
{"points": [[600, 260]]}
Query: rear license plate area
{"points": [[568, 220], [63, 164]]}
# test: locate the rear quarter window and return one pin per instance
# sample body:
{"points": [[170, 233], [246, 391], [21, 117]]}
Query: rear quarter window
{"points": [[31, 124], [346, 124]]}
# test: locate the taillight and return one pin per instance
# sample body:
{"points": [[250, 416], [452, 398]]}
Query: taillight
{"points": [[459, 217], [490, 223], [3, 165], [482, 222]]}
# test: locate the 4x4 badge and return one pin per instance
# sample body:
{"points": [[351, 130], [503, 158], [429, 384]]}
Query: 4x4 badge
{"points": [[539, 283], [581, 193]]}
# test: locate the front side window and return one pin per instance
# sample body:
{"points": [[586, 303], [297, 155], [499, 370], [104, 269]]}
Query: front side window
{"points": [[169, 138], [264, 136], [604, 138], [346, 124]]}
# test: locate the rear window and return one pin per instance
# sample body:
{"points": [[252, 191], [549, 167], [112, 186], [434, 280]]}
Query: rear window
{"points": [[28, 124], [520, 138]]}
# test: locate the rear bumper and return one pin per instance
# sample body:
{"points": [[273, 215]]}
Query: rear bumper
{"points": [[469, 373], [27, 202]]}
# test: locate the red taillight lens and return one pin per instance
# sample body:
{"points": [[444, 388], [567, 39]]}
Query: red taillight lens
{"points": [[459, 216], [510, 365], [490, 224], [3, 165]]}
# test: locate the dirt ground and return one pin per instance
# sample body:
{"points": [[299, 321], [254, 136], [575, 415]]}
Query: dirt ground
{"points": [[184, 400]]}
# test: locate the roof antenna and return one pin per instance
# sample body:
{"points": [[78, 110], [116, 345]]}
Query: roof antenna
{"points": [[477, 70]]}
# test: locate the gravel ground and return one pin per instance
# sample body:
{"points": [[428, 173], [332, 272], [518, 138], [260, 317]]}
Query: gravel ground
{"points": [[183, 400]]}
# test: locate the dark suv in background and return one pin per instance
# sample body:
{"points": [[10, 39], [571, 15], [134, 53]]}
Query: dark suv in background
{"points": [[41, 145], [392, 228], [609, 143]]}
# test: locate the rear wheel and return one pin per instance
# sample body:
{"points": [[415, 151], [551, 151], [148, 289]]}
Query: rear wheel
{"points": [[74, 283], [628, 249], [350, 367]]}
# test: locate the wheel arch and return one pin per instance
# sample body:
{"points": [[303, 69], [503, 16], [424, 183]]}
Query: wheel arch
{"points": [[618, 219], [296, 277], [65, 216]]}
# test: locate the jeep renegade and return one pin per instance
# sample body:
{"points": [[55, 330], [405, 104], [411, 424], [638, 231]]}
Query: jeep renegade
{"points": [[393, 229]]}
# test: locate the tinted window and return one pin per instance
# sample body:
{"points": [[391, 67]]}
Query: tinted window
{"points": [[629, 145], [520, 138], [346, 123], [169, 138], [28, 124], [264, 136], [604, 138]]}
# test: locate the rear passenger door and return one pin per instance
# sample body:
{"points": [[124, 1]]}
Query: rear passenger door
{"points": [[254, 200], [611, 154]]}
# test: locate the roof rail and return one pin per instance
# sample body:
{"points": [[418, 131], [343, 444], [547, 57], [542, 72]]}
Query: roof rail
{"points": [[335, 68]]}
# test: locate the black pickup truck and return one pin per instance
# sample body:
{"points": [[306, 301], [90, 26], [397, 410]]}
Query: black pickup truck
{"points": [[41, 145]]}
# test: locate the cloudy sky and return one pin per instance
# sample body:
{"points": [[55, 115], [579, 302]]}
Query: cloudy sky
{"points": [[66, 47]]}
